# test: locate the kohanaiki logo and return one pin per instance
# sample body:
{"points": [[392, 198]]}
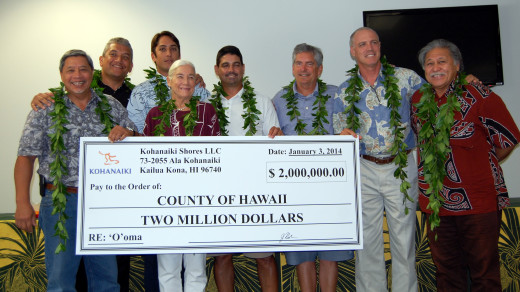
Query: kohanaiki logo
{"points": [[109, 159]]}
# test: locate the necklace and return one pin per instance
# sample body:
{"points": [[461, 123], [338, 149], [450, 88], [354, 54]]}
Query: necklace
{"points": [[434, 140], [250, 114], [320, 114], [168, 108], [97, 78], [58, 168], [393, 97], [160, 88]]}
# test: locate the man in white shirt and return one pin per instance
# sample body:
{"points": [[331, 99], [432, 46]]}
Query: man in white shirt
{"points": [[242, 112]]}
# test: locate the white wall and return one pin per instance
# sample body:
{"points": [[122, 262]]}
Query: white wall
{"points": [[34, 34]]}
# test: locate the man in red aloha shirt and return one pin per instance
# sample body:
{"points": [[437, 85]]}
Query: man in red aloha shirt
{"points": [[474, 192]]}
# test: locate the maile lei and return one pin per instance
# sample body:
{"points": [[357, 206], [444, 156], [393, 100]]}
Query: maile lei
{"points": [[97, 78], [250, 114], [320, 112], [160, 88], [58, 168], [434, 140], [167, 106], [393, 98]]}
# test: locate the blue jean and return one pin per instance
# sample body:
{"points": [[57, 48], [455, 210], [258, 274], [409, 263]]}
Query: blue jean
{"points": [[62, 267], [151, 274]]}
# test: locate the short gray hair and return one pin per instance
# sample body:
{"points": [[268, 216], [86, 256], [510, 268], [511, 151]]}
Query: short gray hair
{"points": [[303, 48], [351, 40], [445, 44], [179, 63], [119, 41], [75, 53]]}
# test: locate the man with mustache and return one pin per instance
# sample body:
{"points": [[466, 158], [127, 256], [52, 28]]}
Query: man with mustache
{"points": [[381, 191], [481, 133], [232, 98], [166, 49]]}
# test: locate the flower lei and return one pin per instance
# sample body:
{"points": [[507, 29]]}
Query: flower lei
{"points": [[161, 88], [249, 104], [393, 98], [320, 114], [434, 140], [58, 167], [168, 108]]}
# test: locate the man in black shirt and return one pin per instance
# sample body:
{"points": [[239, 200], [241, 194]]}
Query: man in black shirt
{"points": [[115, 63]]}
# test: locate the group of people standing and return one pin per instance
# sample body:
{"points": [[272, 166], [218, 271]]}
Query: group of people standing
{"points": [[383, 105]]}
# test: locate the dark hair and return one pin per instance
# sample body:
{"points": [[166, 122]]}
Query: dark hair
{"points": [[303, 48], [75, 53], [445, 44], [119, 41], [155, 39], [229, 50]]}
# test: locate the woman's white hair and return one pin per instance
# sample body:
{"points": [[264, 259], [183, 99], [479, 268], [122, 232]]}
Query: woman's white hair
{"points": [[179, 63]]}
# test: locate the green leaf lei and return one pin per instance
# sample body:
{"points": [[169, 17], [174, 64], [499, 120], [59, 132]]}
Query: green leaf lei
{"points": [[161, 88], [249, 104], [58, 168], [320, 114], [167, 105], [168, 108], [97, 78], [434, 140], [216, 101], [393, 98]]}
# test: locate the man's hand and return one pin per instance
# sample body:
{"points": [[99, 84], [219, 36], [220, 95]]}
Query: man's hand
{"points": [[472, 79], [347, 131], [119, 133], [503, 153], [200, 81], [25, 217], [42, 100], [275, 131]]}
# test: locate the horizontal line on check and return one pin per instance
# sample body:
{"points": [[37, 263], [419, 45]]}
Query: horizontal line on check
{"points": [[222, 206], [221, 225]]}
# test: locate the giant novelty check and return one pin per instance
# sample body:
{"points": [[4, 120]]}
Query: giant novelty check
{"points": [[218, 195]]}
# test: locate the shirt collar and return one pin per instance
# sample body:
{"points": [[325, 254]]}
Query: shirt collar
{"points": [[94, 99], [451, 88], [315, 92], [239, 93], [380, 77], [106, 87]]}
